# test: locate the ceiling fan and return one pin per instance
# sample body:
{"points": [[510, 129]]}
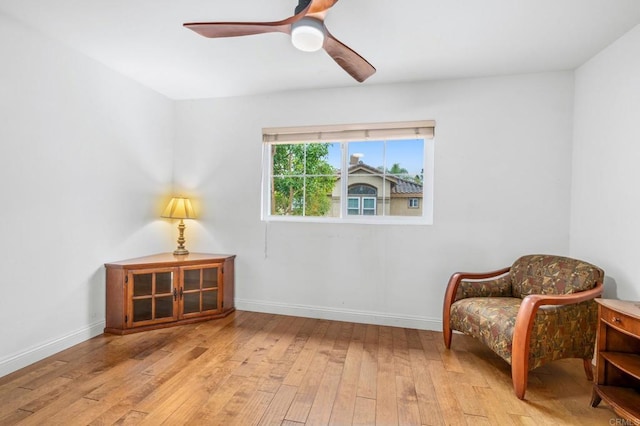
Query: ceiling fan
{"points": [[307, 30]]}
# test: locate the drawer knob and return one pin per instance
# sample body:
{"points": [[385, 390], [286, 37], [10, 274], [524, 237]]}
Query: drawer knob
{"points": [[616, 319]]}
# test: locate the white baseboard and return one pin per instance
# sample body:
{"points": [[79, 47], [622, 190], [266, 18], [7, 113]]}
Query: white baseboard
{"points": [[321, 312], [22, 359]]}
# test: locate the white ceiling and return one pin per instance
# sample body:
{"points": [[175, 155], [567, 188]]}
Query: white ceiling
{"points": [[405, 40]]}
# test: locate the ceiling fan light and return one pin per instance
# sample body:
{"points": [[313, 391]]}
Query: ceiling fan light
{"points": [[307, 34]]}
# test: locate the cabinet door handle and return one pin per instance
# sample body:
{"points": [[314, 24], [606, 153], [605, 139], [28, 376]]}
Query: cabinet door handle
{"points": [[181, 294], [175, 294]]}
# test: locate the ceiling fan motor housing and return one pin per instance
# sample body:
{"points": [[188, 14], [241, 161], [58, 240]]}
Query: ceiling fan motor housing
{"points": [[308, 34], [301, 5]]}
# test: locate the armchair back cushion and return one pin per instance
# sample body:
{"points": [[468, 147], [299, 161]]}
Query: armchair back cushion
{"points": [[544, 274]]}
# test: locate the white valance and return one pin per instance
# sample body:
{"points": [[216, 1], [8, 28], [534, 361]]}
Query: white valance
{"points": [[350, 132]]}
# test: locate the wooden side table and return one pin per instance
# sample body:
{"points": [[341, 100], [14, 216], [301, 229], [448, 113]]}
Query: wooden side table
{"points": [[617, 379]]}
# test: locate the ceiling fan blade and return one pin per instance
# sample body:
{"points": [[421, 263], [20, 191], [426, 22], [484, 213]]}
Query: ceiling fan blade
{"points": [[355, 65], [235, 29], [321, 5]]}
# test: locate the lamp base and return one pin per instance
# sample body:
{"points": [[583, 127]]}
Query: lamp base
{"points": [[181, 250]]}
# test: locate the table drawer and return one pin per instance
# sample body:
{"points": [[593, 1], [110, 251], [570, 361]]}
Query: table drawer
{"points": [[621, 321]]}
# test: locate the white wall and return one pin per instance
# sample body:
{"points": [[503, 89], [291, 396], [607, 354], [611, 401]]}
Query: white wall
{"points": [[605, 197], [502, 189], [85, 156]]}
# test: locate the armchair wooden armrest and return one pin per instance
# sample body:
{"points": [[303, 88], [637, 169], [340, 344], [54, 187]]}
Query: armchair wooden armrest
{"points": [[524, 324], [450, 295]]}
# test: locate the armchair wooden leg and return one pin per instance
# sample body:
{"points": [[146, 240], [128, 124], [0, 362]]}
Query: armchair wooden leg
{"points": [[588, 368], [519, 377], [446, 333]]}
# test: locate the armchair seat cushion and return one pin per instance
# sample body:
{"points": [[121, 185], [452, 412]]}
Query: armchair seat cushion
{"points": [[562, 331], [489, 319]]}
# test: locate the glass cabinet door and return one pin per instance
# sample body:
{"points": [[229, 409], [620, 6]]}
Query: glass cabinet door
{"points": [[153, 296], [200, 289]]}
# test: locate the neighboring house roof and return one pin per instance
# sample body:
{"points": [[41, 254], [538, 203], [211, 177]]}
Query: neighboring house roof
{"points": [[368, 168], [398, 185], [406, 187]]}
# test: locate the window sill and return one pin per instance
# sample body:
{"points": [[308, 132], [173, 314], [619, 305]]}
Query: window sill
{"points": [[377, 220]]}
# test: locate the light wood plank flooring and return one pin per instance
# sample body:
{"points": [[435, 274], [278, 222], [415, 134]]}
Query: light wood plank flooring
{"points": [[252, 368]]}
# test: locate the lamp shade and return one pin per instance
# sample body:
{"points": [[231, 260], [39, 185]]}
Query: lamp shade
{"points": [[179, 208]]}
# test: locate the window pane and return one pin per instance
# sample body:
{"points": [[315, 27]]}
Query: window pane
{"points": [[320, 159], [334, 156], [288, 159], [404, 159], [298, 196], [315, 159], [353, 206], [404, 165], [368, 203], [366, 157], [369, 206], [287, 196], [362, 190], [318, 200], [400, 190]]}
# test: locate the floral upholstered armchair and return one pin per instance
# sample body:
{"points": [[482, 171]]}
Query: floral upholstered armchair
{"points": [[538, 310]]}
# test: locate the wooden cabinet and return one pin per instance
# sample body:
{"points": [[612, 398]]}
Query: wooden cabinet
{"points": [[617, 379], [164, 290]]}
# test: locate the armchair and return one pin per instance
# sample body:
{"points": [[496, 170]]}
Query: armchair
{"points": [[538, 310]]}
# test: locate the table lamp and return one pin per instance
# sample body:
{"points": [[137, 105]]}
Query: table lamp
{"points": [[180, 208]]}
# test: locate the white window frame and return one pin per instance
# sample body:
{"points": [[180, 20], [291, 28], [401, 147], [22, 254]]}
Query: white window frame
{"points": [[375, 206], [411, 204], [353, 208], [351, 133]]}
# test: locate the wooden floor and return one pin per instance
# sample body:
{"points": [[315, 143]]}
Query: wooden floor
{"points": [[252, 368]]}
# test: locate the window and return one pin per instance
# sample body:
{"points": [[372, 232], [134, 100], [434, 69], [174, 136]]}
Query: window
{"points": [[375, 173], [361, 201], [361, 206], [368, 206], [353, 206]]}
